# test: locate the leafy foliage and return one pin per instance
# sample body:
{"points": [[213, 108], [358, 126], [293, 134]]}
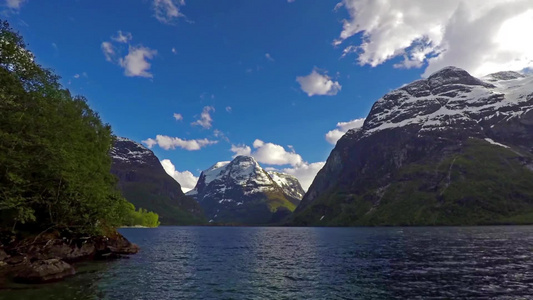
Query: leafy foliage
{"points": [[54, 163], [141, 217]]}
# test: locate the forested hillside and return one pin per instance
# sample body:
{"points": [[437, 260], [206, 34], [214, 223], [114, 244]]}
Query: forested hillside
{"points": [[54, 162]]}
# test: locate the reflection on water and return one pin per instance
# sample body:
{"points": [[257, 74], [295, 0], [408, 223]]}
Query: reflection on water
{"points": [[308, 263]]}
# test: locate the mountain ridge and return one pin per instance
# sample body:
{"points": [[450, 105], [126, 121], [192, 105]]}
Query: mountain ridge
{"points": [[241, 191], [144, 182], [419, 140]]}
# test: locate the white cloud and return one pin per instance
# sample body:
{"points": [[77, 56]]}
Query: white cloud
{"points": [[269, 57], [178, 117], [136, 62], [477, 35], [305, 172], [14, 4], [168, 11], [342, 127], [272, 154], [167, 143], [109, 51], [174, 50], [221, 135], [269, 153], [241, 150], [205, 118], [122, 37], [76, 76], [318, 84], [228, 109], [186, 179]]}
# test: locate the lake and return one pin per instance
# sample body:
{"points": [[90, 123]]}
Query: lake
{"points": [[307, 263]]}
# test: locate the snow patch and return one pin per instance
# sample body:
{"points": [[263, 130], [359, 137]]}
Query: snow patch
{"points": [[497, 144]]}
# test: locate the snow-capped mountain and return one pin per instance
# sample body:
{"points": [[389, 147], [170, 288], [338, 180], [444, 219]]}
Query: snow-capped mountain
{"points": [[144, 182], [289, 184], [449, 149], [241, 191]]}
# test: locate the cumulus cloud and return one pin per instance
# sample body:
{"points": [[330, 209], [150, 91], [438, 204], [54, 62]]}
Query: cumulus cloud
{"points": [[122, 37], [136, 62], [205, 118], [305, 172], [272, 154], [178, 117], [174, 50], [167, 143], [168, 11], [269, 153], [477, 35], [318, 84], [186, 179], [342, 127], [228, 109], [241, 150]]}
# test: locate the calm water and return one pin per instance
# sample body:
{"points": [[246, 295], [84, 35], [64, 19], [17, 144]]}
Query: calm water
{"points": [[308, 263]]}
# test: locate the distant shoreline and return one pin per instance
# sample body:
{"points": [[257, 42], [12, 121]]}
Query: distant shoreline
{"points": [[136, 226]]}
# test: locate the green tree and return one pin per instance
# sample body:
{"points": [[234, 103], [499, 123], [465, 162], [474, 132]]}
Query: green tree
{"points": [[54, 162]]}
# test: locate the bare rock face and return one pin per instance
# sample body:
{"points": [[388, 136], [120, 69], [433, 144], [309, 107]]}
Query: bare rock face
{"points": [[44, 271]]}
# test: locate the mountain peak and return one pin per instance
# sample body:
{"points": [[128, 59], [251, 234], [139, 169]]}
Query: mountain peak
{"points": [[504, 75], [143, 181], [431, 153], [129, 151], [242, 191], [453, 75]]}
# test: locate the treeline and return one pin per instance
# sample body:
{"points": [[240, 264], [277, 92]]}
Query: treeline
{"points": [[141, 217], [54, 162]]}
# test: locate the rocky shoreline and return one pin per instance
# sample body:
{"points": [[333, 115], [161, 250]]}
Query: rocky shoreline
{"points": [[49, 257]]}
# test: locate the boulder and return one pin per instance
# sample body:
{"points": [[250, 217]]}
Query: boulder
{"points": [[3, 255], [17, 259], [70, 252], [114, 247], [43, 271]]}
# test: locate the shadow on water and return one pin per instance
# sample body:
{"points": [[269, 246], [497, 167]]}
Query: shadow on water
{"points": [[83, 286]]}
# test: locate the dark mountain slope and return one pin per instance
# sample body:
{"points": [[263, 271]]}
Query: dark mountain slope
{"points": [[449, 150], [144, 182]]}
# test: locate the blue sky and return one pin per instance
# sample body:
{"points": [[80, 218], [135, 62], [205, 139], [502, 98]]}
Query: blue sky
{"points": [[269, 78]]}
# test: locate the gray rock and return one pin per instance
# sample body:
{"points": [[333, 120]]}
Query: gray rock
{"points": [[44, 271], [3, 255]]}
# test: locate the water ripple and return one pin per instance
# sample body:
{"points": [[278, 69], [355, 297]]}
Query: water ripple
{"points": [[308, 263]]}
